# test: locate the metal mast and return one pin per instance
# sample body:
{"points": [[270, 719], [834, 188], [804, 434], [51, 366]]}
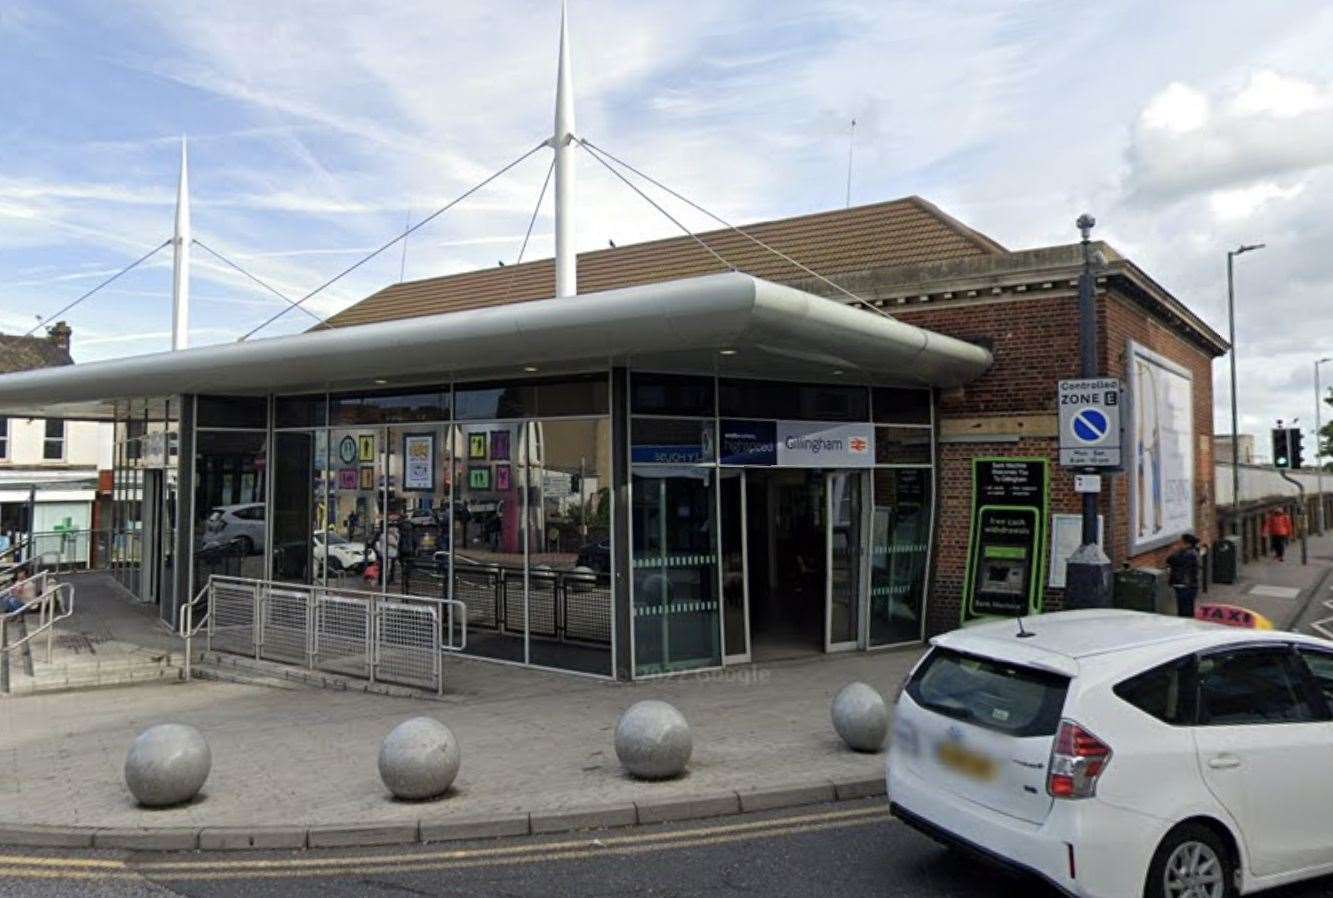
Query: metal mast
{"points": [[566, 255], [180, 271]]}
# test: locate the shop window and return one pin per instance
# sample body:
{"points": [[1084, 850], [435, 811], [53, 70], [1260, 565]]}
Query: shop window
{"points": [[229, 505], [569, 545], [902, 446], [583, 395], [672, 394], [423, 404], [295, 558], [804, 402], [53, 440], [355, 506], [490, 536], [232, 411], [896, 405], [899, 546], [300, 411], [4, 438], [420, 475]]}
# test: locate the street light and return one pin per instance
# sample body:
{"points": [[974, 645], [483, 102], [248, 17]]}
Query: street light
{"points": [[1235, 427], [1319, 440]]}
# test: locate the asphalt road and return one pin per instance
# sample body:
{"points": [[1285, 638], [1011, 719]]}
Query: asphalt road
{"points": [[850, 849]]}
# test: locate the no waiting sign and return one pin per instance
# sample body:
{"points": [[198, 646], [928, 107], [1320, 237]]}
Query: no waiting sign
{"points": [[1089, 422]]}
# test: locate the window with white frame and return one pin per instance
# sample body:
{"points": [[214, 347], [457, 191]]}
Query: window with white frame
{"points": [[53, 442]]}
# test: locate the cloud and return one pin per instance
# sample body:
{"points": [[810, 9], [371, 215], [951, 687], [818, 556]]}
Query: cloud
{"points": [[1186, 140]]}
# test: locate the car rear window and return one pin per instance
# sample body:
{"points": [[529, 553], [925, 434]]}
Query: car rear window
{"points": [[998, 695]]}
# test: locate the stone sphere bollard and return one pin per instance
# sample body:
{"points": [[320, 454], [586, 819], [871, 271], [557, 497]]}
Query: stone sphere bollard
{"points": [[653, 741], [860, 717], [419, 759], [167, 764]]}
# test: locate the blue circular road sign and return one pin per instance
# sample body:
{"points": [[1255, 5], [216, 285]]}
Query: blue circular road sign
{"points": [[1091, 425]]}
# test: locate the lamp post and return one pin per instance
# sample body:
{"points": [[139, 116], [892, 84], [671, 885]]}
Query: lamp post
{"points": [[1319, 440], [1235, 427], [1088, 575]]}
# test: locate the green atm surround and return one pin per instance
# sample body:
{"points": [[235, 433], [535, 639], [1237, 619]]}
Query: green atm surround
{"points": [[1007, 540]]}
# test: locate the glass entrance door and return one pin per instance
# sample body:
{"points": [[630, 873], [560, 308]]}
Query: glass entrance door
{"points": [[844, 491]]}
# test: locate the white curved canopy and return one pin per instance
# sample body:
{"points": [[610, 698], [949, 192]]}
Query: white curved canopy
{"points": [[731, 324]]}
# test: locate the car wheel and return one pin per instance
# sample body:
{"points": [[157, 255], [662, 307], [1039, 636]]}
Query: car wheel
{"points": [[1191, 862], [247, 545], [335, 566]]}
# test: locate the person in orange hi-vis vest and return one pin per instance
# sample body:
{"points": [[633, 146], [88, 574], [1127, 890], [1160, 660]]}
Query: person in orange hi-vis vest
{"points": [[1278, 528]]}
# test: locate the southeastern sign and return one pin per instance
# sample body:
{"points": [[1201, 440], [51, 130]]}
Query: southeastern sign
{"points": [[1089, 422], [1008, 534], [796, 444]]}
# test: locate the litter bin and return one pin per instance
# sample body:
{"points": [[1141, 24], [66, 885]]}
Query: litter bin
{"points": [[1226, 554], [1135, 589]]}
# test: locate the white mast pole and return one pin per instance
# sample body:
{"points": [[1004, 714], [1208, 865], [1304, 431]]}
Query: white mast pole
{"points": [[180, 269], [566, 255]]}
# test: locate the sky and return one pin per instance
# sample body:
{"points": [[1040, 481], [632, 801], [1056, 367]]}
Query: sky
{"points": [[317, 130]]}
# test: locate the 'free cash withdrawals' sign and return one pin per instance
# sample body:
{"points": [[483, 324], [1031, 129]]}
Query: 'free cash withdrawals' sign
{"points": [[1009, 518]]}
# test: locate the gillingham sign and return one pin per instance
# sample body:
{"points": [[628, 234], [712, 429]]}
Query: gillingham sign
{"points": [[802, 444], [1089, 422]]}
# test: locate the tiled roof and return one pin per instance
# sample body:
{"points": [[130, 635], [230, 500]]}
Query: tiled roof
{"points": [[898, 232], [26, 353]]}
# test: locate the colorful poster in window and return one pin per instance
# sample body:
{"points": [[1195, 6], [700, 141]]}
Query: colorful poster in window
{"points": [[367, 477], [479, 477], [500, 445], [476, 445], [347, 479], [419, 461], [347, 450], [366, 447], [1161, 449], [503, 481]]}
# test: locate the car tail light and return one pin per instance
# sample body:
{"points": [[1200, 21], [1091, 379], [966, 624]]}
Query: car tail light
{"points": [[1078, 758]]}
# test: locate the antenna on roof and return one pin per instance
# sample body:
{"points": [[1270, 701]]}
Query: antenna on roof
{"points": [[407, 229], [180, 268], [851, 138], [566, 256], [1022, 633]]}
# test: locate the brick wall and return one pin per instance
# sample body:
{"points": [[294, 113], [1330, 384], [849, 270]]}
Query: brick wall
{"points": [[1035, 341]]}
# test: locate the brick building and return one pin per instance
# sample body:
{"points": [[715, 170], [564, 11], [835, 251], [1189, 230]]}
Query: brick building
{"points": [[691, 463]]}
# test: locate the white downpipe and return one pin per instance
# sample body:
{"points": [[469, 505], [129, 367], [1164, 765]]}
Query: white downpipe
{"points": [[566, 254], [180, 269]]}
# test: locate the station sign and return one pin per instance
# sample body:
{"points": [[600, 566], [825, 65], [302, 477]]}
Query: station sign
{"points": [[1090, 427], [796, 444]]}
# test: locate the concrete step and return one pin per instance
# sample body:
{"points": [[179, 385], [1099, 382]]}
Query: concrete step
{"points": [[224, 666], [97, 673]]}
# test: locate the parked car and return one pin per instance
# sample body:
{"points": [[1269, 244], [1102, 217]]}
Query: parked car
{"points": [[596, 556], [242, 525], [1115, 753], [339, 554]]}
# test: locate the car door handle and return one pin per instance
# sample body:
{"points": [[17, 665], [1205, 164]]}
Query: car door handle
{"points": [[1224, 762]]}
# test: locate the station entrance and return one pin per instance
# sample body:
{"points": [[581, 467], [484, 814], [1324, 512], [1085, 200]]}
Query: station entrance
{"points": [[793, 561]]}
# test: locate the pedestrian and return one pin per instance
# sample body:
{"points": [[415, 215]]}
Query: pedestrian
{"points": [[1183, 569], [1278, 527]]}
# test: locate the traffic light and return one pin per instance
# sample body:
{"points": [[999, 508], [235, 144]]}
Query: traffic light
{"points": [[1281, 448], [1294, 441]]}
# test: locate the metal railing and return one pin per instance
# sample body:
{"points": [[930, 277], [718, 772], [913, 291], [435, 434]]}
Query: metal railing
{"points": [[51, 600], [374, 635]]}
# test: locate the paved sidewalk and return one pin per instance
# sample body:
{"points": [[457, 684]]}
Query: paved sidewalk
{"points": [[531, 742], [1281, 592]]}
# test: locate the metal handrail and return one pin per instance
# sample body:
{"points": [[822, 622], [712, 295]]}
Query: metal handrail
{"points": [[188, 628], [449, 612], [46, 603]]}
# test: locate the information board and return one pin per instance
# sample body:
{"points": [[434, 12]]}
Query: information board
{"points": [[1089, 422], [1010, 498]]}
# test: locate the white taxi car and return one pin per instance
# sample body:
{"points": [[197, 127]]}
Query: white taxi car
{"points": [[1117, 754]]}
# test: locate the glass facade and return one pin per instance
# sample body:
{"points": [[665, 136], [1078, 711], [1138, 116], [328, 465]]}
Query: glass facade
{"points": [[500, 495]]}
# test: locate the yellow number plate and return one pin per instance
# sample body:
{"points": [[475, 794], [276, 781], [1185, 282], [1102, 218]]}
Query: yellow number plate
{"points": [[968, 763]]}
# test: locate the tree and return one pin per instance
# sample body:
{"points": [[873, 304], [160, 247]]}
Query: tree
{"points": [[1326, 436]]}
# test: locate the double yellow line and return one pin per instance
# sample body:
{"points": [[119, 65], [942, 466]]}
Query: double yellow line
{"points": [[21, 867]]}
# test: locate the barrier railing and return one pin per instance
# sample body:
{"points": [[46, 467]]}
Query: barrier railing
{"points": [[373, 635], [52, 601]]}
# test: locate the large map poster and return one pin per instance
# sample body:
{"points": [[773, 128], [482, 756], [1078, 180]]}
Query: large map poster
{"points": [[1161, 450]]}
